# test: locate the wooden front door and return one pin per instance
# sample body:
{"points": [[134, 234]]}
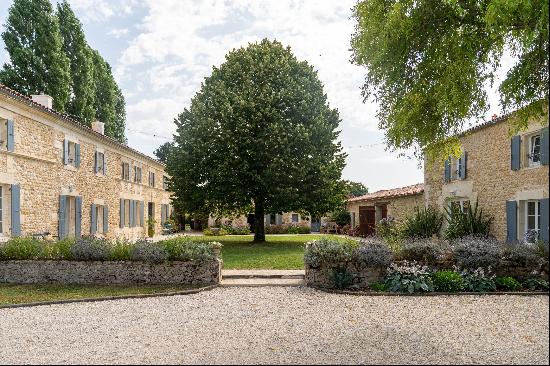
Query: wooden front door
{"points": [[367, 220]]}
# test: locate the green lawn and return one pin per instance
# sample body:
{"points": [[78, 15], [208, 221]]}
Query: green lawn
{"points": [[17, 294], [278, 252]]}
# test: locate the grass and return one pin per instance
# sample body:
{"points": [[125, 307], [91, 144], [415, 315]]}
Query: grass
{"points": [[278, 252], [18, 294]]}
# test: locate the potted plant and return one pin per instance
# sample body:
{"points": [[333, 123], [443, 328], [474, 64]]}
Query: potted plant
{"points": [[151, 226]]}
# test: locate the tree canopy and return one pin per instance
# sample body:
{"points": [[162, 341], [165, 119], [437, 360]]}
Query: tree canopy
{"points": [[33, 41], [428, 63], [259, 135], [354, 189], [49, 53], [163, 151]]}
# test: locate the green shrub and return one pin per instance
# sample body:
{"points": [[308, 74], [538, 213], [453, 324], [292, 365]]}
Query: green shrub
{"points": [[148, 252], [479, 280], [424, 223], [388, 230], [329, 250], [89, 248], [373, 252], [185, 249], [521, 255], [341, 217], [409, 277], [378, 287], [214, 231], [447, 281], [236, 230], [507, 283], [470, 222], [423, 250], [475, 252], [57, 250], [121, 250], [21, 248], [341, 277], [535, 283], [287, 229]]}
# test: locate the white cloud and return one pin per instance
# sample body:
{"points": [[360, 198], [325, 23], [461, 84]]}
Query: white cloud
{"points": [[118, 32], [102, 10]]}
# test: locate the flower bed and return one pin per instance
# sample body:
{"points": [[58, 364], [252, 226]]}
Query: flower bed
{"points": [[471, 264], [92, 260]]}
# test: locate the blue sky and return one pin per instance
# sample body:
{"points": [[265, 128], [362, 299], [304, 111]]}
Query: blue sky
{"points": [[161, 50]]}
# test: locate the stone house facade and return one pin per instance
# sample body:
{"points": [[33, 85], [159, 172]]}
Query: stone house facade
{"points": [[60, 177], [367, 210], [288, 218], [506, 175]]}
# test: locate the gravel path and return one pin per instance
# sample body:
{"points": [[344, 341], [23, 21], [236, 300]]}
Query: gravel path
{"points": [[280, 325]]}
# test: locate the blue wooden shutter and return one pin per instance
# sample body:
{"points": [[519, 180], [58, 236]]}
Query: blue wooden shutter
{"points": [[447, 173], [544, 218], [278, 219], [162, 215], [462, 165], [121, 213], [77, 155], [141, 212], [515, 152], [130, 173], [104, 163], [105, 219], [62, 224], [15, 210], [66, 152], [11, 135], [511, 221], [96, 162], [93, 220], [544, 146], [78, 217]]}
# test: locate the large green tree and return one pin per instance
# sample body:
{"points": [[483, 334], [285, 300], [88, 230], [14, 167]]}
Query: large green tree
{"points": [[260, 134], [354, 189], [428, 63], [82, 87], [163, 151], [37, 61]]}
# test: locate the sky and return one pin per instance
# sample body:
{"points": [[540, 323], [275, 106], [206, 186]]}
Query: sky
{"points": [[161, 51]]}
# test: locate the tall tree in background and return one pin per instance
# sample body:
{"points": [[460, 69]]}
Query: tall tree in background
{"points": [[82, 88], [37, 61], [259, 133], [163, 151], [118, 130], [428, 63], [354, 189]]}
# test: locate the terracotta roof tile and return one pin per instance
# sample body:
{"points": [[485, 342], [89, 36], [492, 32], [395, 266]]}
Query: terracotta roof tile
{"points": [[389, 193]]}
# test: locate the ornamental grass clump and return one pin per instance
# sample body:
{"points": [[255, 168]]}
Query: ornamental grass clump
{"points": [[423, 250], [409, 277], [89, 248], [424, 223], [329, 251], [373, 252], [479, 280], [447, 281], [474, 252], [148, 252], [21, 248]]}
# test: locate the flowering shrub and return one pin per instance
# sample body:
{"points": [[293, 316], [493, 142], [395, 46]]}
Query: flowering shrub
{"points": [[185, 249], [373, 252], [89, 248], [507, 283], [522, 255], [447, 281], [475, 252], [479, 280], [530, 236], [409, 277], [329, 250], [423, 250], [148, 252], [20, 248]]}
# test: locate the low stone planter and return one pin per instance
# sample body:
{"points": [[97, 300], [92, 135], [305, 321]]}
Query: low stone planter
{"points": [[361, 277], [110, 272]]}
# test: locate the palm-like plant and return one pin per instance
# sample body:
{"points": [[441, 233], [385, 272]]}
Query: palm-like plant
{"points": [[470, 221]]}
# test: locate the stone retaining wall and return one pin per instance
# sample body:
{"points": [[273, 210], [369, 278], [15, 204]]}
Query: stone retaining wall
{"points": [[361, 277], [110, 272]]}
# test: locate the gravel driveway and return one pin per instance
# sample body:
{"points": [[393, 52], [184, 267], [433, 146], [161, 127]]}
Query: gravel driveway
{"points": [[280, 325]]}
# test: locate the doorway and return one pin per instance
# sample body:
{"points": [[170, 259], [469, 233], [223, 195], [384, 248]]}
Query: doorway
{"points": [[367, 220]]}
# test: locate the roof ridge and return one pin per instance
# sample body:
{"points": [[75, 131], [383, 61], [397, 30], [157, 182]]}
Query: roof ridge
{"points": [[409, 190]]}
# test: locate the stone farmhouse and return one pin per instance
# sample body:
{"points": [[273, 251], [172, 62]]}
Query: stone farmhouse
{"points": [[367, 210], [60, 177], [506, 175], [290, 218]]}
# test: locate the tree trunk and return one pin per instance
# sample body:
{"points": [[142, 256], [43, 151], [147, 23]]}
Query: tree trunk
{"points": [[259, 228]]}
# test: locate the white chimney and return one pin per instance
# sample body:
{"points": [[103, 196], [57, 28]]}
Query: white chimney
{"points": [[98, 127], [43, 99]]}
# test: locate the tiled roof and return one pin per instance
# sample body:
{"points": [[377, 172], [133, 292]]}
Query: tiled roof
{"points": [[68, 118], [482, 125], [389, 193]]}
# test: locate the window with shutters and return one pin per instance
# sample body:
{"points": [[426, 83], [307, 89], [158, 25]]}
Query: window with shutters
{"points": [[272, 219], [295, 218], [125, 171], [71, 154], [1, 209], [99, 218], [165, 183], [100, 164], [3, 134], [532, 218], [533, 154], [137, 174], [152, 179], [127, 213]]}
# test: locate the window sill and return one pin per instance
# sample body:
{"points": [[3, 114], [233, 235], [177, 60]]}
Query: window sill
{"points": [[534, 167]]}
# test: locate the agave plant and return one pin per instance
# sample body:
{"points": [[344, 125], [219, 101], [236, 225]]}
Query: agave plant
{"points": [[471, 221]]}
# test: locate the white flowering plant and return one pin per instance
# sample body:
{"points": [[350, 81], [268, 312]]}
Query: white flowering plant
{"points": [[479, 280], [409, 277]]}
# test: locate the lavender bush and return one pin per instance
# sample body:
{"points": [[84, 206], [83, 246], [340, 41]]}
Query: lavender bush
{"points": [[373, 252], [475, 252]]}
